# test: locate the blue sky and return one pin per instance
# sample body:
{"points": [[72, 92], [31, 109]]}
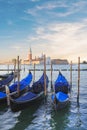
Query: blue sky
{"points": [[57, 28]]}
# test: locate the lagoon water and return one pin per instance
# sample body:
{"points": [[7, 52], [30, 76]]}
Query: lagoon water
{"points": [[43, 116]]}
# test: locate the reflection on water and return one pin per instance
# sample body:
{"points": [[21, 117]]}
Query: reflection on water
{"points": [[25, 118], [43, 116], [8, 119], [60, 119]]}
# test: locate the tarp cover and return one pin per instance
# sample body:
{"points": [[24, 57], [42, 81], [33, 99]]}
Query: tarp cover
{"points": [[26, 96], [2, 95], [7, 80], [61, 96], [23, 83], [41, 81], [61, 81]]}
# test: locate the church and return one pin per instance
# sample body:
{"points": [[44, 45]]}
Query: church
{"points": [[40, 60], [30, 60]]}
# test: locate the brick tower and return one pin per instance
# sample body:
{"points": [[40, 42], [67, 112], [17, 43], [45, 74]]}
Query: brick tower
{"points": [[30, 56]]}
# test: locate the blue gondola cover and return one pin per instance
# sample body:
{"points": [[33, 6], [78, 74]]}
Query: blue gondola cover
{"points": [[61, 96], [6, 81], [23, 83], [2, 95], [26, 96], [61, 84]]}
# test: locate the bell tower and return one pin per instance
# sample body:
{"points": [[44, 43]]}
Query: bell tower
{"points": [[30, 56]]}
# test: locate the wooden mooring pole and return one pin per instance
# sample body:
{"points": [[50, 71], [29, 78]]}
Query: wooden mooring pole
{"points": [[78, 80], [45, 91], [70, 76], [18, 63], [8, 68], [14, 69], [51, 76], [24, 66], [34, 74], [8, 95]]}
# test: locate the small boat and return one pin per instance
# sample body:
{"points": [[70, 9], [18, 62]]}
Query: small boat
{"points": [[61, 84], [24, 84], [60, 100], [3, 76], [5, 80], [32, 97]]}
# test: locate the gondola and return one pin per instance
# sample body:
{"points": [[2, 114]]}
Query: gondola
{"points": [[60, 98], [32, 97], [24, 84], [6, 80], [3, 76]]}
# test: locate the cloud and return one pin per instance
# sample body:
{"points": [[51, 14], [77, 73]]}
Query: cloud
{"points": [[58, 8], [34, 0], [44, 7], [48, 6], [46, 23], [15, 47], [64, 40]]}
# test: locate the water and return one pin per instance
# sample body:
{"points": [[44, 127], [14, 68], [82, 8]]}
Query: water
{"points": [[43, 116]]}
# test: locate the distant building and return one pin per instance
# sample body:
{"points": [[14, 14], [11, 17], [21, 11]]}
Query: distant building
{"points": [[59, 61], [48, 61], [31, 60], [40, 60], [84, 62]]}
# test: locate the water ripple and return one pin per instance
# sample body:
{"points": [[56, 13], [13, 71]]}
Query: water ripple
{"points": [[8, 120]]}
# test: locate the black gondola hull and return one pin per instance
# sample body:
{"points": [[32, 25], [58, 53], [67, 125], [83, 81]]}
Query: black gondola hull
{"points": [[60, 105], [16, 106]]}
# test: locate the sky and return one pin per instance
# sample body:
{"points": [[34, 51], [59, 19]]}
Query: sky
{"points": [[57, 28]]}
